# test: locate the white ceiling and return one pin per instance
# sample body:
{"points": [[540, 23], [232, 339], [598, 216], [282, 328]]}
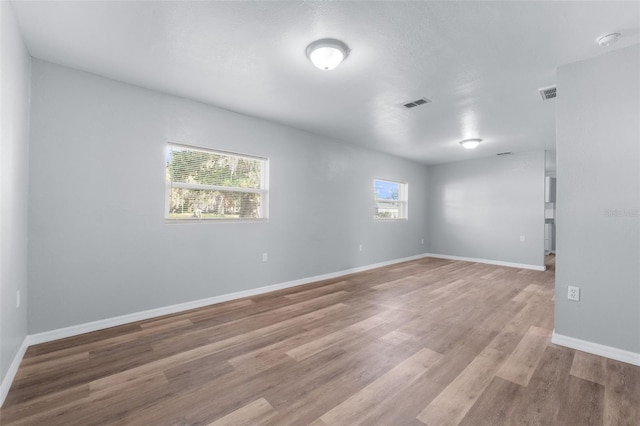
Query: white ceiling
{"points": [[480, 62]]}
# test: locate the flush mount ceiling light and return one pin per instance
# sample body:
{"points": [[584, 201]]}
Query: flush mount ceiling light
{"points": [[470, 143], [327, 53], [608, 39]]}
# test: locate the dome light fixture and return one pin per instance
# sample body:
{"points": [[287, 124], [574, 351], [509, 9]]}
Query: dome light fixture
{"points": [[470, 143], [327, 53], [608, 39]]}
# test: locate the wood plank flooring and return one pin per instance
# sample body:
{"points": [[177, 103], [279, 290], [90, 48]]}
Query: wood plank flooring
{"points": [[431, 341]]}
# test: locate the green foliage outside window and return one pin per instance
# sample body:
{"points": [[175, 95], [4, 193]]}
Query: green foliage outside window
{"points": [[199, 171]]}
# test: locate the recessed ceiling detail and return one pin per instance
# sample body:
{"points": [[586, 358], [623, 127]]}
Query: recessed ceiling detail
{"points": [[505, 153], [417, 102], [547, 92]]}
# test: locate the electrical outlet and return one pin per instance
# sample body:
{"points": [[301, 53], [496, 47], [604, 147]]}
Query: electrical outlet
{"points": [[264, 257], [522, 238], [360, 248], [574, 293], [422, 241], [18, 299]]}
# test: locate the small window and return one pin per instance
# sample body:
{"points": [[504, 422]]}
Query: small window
{"points": [[391, 199], [212, 185]]}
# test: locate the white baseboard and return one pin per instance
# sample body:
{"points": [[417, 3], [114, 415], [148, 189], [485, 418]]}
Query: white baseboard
{"points": [[596, 349], [489, 262], [13, 369], [88, 327], [61, 333]]}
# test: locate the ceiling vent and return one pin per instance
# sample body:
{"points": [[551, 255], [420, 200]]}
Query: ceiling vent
{"points": [[417, 102], [547, 92]]}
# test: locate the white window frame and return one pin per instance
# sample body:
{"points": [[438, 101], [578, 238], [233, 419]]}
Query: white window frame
{"points": [[403, 200], [263, 191]]}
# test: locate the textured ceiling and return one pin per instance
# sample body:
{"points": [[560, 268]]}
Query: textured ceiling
{"points": [[481, 63]]}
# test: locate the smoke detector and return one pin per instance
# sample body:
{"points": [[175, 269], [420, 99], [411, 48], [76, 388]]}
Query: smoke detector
{"points": [[608, 39]]}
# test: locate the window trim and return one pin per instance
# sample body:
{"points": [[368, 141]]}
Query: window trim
{"points": [[402, 201], [263, 191]]}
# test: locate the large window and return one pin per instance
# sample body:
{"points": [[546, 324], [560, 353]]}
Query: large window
{"points": [[391, 199], [204, 184]]}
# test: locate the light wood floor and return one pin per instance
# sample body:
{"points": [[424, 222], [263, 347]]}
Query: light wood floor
{"points": [[431, 341]]}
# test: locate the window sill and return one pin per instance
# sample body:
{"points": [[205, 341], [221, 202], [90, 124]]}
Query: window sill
{"points": [[180, 221]]}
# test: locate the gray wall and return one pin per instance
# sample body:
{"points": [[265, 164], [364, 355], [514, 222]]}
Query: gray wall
{"points": [[15, 65], [598, 189], [480, 208], [99, 244], [550, 163]]}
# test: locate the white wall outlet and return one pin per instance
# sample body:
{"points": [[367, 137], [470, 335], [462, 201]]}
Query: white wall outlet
{"points": [[422, 241], [522, 238], [360, 247], [264, 257], [18, 299], [574, 293]]}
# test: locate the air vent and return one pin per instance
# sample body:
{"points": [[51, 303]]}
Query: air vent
{"points": [[505, 153], [417, 102], [547, 92]]}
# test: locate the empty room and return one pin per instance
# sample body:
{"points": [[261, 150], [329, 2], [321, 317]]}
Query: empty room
{"points": [[319, 213]]}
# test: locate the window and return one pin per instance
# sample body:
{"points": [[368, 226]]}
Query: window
{"points": [[391, 199], [210, 185]]}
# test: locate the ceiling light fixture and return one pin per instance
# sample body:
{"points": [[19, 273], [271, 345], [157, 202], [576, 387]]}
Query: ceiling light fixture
{"points": [[327, 53], [470, 143], [608, 39]]}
